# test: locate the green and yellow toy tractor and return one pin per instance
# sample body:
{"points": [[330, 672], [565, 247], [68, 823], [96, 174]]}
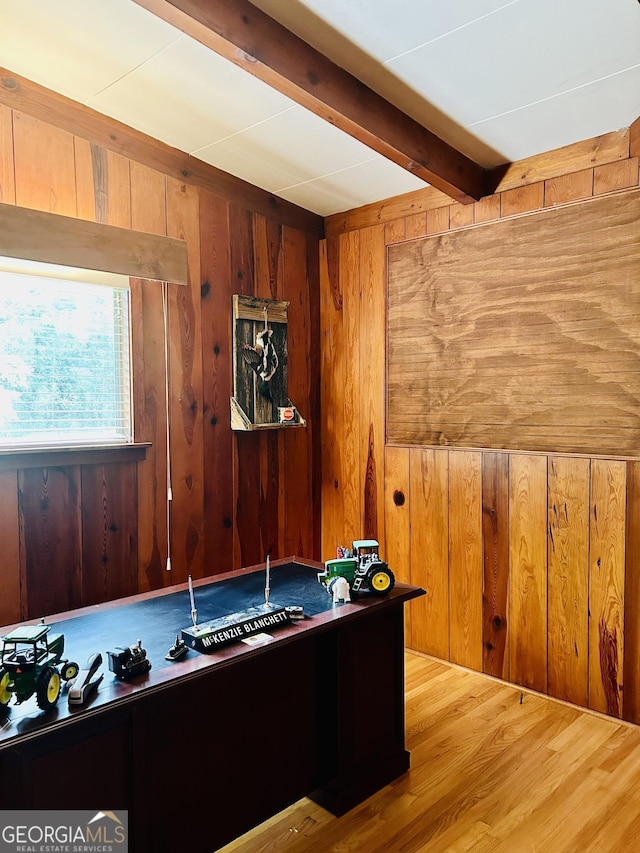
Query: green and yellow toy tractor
{"points": [[31, 662], [361, 567]]}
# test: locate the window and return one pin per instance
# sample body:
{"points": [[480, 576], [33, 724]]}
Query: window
{"points": [[65, 376]]}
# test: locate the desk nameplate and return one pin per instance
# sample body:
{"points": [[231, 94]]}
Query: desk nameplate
{"points": [[209, 636]]}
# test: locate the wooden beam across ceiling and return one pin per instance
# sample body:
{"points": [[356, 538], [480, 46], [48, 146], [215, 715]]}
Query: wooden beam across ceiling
{"points": [[246, 36]]}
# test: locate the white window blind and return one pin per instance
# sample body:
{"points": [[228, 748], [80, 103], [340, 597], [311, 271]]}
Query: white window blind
{"points": [[65, 374]]}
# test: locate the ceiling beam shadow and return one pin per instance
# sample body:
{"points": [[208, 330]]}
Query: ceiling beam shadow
{"points": [[246, 36]]}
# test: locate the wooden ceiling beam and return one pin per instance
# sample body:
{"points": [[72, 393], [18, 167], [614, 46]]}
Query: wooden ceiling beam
{"points": [[243, 34]]}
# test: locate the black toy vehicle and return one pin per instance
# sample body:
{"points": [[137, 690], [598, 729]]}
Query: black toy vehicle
{"points": [[125, 663], [31, 662]]}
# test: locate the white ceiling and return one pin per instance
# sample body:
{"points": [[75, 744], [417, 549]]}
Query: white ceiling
{"points": [[500, 80]]}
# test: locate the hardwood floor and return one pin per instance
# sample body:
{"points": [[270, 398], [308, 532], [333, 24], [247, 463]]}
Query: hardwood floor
{"points": [[489, 772]]}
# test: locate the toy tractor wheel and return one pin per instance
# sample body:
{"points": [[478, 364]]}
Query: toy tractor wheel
{"points": [[5, 681], [380, 580], [48, 688], [69, 670]]}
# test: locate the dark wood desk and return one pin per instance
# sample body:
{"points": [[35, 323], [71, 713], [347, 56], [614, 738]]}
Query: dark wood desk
{"points": [[201, 750]]}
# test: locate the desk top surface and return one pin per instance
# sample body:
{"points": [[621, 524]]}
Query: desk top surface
{"points": [[157, 617]]}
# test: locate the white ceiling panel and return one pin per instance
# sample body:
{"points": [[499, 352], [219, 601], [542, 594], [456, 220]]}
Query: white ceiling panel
{"points": [[77, 47], [553, 49], [581, 114], [194, 95], [368, 182], [381, 28], [290, 148]]}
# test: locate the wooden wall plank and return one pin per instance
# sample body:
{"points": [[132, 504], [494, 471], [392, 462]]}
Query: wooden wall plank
{"points": [[568, 580], [44, 166], [495, 548], [395, 230], [429, 520], [92, 199], [118, 187], [103, 185], [397, 542], [187, 452], [332, 366], [217, 388], [522, 200], [567, 188], [371, 384], [606, 585], [10, 598], [528, 571], [268, 256], [465, 559], [615, 176], [241, 252], [438, 220], [91, 181], [416, 225], [298, 287], [7, 176], [461, 215], [351, 477], [631, 667], [50, 539], [272, 506], [634, 139], [487, 209], [110, 541], [314, 350], [148, 213], [247, 548], [396, 549]]}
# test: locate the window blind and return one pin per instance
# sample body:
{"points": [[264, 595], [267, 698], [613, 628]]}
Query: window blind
{"points": [[65, 376]]}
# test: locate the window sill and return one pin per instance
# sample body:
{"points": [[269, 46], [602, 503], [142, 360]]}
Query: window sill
{"points": [[56, 457]]}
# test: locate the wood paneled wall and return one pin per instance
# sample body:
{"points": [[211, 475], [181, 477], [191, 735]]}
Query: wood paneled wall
{"points": [[529, 560], [524, 560], [74, 534]]}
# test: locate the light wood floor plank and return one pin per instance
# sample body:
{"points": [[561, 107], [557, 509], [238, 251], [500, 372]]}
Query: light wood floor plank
{"points": [[494, 769]]}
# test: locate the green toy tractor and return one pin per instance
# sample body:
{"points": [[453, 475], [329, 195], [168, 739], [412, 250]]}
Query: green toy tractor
{"points": [[361, 567], [31, 662]]}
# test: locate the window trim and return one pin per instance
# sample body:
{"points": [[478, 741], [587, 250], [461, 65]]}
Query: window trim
{"points": [[57, 457], [36, 235]]}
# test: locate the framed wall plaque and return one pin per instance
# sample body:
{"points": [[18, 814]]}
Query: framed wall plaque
{"points": [[260, 366]]}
